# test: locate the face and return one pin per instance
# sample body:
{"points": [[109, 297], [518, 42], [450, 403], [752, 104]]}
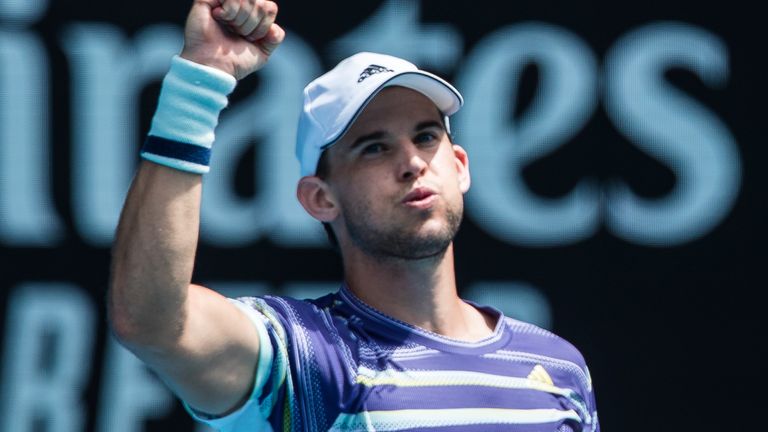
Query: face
{"points": [[397, 180]]}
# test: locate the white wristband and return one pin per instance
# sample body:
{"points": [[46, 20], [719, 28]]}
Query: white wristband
{"points": [[182, 132], [190, 101]]}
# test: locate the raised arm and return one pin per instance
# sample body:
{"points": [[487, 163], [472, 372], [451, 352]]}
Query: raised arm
{"points": [[202, 345]]}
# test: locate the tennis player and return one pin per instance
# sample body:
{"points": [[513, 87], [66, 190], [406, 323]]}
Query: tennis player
{"points": [[395, 348]]}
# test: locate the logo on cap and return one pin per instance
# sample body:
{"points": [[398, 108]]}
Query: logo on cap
{"points": [[372, 70]]}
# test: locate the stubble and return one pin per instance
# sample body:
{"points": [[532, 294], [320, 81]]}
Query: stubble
{"points": [[388, 240]]}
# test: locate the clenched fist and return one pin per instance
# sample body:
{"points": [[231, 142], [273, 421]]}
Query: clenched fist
{"points": [[235, 36]]}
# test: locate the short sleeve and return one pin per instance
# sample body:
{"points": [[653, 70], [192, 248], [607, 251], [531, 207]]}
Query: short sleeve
{"points": [[252, 415]]}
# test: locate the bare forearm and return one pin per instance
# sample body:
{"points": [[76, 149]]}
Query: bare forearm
{"points": [[153, 256]]}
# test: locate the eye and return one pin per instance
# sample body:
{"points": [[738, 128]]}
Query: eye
{"points": [[373, 148], [425, 138]]}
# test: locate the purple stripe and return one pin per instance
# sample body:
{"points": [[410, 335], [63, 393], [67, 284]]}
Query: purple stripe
{"points": [[388, 397], [546, 427], [469, 364]]}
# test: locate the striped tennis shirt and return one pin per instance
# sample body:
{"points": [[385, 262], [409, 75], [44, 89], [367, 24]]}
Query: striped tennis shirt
{"points": [[337, 364]]}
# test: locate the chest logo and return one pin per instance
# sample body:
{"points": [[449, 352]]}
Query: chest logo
{"points": [[540, 375]]}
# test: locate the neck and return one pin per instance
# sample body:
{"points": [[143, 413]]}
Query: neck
{"points": [[419, 292]]}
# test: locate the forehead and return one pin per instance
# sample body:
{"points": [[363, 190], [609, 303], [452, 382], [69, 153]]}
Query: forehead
{"points": [[393, 107]]}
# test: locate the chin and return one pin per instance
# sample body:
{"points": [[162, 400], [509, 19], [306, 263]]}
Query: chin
{"points": [[432, 230]]}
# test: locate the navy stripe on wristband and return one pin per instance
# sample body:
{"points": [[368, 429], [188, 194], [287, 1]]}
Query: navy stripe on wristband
{"points": [[186, 155]]}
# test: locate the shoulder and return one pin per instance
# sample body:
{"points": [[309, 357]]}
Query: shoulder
{"points": [[286, 305], [554, 361], [287, 313], [536, 346], [536, 341]]}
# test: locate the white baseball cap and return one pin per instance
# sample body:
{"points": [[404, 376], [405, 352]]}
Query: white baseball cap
{"points": [[333, 101]]}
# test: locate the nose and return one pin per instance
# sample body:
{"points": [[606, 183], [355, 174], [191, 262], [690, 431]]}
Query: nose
{"points": [[412, 165]]}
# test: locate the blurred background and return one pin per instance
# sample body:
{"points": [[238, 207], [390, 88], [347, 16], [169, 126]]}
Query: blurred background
{"points": [[616, 150]]}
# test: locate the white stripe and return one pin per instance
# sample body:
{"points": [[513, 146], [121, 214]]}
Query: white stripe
{"points": [[421, 418], [177, 164], [265, 359], [373, 353]]}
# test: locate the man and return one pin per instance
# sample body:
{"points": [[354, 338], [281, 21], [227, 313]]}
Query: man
{"points": [[395, 348]]}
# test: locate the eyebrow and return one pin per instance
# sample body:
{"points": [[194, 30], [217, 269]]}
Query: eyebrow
{"points": [[428, 124], [381, 134], [369, 137]]}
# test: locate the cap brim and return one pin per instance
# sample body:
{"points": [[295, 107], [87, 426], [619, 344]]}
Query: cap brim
{"points": [[447, 99]]}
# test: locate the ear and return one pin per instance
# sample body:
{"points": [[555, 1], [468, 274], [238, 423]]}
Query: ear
{"points": [[316, 198], [462, 167]]}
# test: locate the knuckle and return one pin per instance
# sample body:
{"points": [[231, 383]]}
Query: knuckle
{"points": [[270, 8], [230, 9]]}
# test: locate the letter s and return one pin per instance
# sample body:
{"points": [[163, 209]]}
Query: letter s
{"points": [[673, 128]]}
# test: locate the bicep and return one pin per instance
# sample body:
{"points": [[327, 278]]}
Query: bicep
{"points": [[212, 365]]}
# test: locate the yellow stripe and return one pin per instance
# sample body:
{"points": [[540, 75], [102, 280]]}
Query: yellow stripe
{"points": [[370, 378]]}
